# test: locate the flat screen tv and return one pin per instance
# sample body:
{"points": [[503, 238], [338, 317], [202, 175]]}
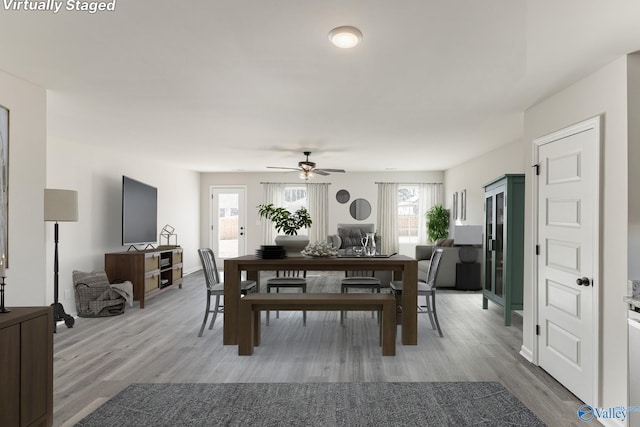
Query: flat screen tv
{"points": [[139, 212]]}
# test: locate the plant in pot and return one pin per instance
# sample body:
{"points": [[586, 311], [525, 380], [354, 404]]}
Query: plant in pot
{"points": [[288, 223], [437, 223]]}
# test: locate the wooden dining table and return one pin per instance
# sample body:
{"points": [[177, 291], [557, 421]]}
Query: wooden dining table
{"points": [[403, 267]]}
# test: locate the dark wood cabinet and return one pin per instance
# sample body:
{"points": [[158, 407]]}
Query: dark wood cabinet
{"points": [[26, 367], [150, 271]]}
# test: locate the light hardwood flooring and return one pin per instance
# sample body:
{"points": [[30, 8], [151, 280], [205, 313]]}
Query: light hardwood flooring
{"points": [[97, 358]]}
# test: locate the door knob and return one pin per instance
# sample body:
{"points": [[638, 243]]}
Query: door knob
{"points": [[584, 281]]}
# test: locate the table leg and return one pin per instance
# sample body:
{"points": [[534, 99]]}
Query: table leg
{"points": [[231, 302]]}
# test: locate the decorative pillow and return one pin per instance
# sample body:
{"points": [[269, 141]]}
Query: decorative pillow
{"points": [[445, 243], [350, 237], [93, 278]]}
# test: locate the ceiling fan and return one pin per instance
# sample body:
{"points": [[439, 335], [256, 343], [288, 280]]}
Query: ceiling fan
{"points": [[307, 168]]}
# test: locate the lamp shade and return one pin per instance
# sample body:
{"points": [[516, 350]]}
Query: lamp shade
{"points": [[60, 205]]}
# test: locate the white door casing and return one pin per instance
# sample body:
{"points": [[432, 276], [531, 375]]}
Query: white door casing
{"points": [[228, 221], [566, 204]]}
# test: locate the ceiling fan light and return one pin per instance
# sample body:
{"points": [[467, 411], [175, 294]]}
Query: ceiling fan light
{"points": [[345, 37], [306, 174]]}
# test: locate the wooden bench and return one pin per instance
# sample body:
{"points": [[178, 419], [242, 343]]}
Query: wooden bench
{"points": [[252, 304]]}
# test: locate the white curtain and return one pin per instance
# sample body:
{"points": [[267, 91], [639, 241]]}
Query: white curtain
{"points": [[430, 195], [318, 206], [271, 193], [388, 217]]}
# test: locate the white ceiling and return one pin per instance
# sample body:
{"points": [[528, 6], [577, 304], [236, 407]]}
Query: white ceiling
{"points": [[244, 84]]}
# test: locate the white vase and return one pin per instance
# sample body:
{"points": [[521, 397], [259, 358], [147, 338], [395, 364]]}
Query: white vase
{"points": [[292, 244]]}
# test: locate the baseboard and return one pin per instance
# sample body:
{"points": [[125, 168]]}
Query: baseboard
{"points": [[526, 353]]}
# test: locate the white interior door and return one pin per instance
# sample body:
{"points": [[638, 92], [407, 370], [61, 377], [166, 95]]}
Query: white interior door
{"points": [[228, 221], [567, 266]]}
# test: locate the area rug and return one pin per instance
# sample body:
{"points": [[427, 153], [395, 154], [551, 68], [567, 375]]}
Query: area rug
{"points": [[314, 404]]}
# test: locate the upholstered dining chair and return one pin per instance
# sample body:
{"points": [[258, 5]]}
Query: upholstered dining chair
{"points": [[288, 279], [427, 289], [215, 287], [358, 280]]}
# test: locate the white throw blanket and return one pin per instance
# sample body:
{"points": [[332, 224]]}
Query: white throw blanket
{"points": [[125, 289]]}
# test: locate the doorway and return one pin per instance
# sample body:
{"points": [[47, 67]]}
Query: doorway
{"points": [[228, 221], [567, 223]]}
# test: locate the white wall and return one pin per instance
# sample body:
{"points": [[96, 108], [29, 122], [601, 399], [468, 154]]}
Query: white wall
{"points": [[96, 173], [602, 93], [473, 174], [633, 165], [27, 139], [359, 184]]}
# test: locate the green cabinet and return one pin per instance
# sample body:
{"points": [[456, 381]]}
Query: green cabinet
{"points": [[503, 246]]}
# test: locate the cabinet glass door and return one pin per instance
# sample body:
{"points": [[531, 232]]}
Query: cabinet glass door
{"points": [[488, 253], [499, 244]]}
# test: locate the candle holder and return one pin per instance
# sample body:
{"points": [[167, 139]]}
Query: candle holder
{"points": [[2, 307]]}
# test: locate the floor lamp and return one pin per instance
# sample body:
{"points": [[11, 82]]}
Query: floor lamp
{"points": [[59, 205]]}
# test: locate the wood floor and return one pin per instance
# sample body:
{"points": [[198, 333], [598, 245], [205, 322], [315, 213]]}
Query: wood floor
{"points": [[99, 357]]}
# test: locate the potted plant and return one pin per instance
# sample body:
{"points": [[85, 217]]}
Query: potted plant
{"points": [[437, 223], [288, 223]]}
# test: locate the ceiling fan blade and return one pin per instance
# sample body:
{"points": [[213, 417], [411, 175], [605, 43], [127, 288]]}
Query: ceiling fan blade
{"points": [[320, 172], [278, 167], [331, 170]]}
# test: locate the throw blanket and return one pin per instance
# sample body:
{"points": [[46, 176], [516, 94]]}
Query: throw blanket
{"points": [[125, 289]]}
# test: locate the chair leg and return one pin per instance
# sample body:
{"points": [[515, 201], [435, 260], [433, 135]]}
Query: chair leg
{"points": [[428, 310], [433, 308], [206, 315], [268, 291], [304, 312], [343, 314], [215, 311]]}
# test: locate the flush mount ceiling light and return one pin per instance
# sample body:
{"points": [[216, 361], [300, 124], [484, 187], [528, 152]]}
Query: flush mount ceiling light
{"points": [[345, 37]]}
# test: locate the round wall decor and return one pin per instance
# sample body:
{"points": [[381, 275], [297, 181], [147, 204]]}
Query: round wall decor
{"points": [[343, 196]]}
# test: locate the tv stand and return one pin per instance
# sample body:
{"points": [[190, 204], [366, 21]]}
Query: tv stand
{"points": [[151, 271]]}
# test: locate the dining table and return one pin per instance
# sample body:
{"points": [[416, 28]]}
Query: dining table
{"points": [[403, 268]]}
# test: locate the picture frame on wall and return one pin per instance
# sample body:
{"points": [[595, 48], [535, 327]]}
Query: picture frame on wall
{"points": [[463, 205], [454, 210], [4, 186]]}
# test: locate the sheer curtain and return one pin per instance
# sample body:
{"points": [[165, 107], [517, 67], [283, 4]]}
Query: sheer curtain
{"points": [[430, 195], [318, 203], [388, 217], [271, 193]]}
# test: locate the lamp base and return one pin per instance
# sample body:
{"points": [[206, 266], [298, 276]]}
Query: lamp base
{"points": [[59, 314]]}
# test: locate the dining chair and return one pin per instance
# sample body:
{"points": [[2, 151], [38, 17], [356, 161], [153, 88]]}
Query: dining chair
{"points": [[215, 287], [427, 289], [358, 280], [288, 279]]}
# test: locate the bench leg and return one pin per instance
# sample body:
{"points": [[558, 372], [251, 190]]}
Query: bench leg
{"points": [[256, 327], [388, 329], [245, 329]]}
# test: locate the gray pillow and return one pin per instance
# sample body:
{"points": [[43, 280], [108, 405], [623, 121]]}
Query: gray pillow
{"points": [[350, 237]]}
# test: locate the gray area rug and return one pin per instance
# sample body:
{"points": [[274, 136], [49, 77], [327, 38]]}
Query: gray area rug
{"points": [[314, 404]]}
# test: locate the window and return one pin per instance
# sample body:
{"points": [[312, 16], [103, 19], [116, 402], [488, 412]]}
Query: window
{"points": [[408, 213], [295, 196]]}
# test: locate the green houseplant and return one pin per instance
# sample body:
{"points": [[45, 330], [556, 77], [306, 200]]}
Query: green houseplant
{"points": [[285, 221], [437, 223]]}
